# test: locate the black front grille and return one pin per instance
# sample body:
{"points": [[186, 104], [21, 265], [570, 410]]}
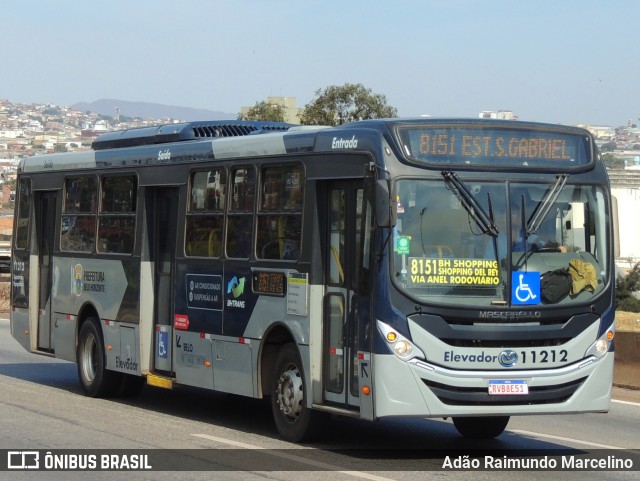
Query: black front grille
{"points": [[503, 335], [511, 343], [465, 396]]}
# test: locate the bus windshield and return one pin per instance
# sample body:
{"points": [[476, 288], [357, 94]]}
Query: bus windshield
{"points": [[444, 254]]}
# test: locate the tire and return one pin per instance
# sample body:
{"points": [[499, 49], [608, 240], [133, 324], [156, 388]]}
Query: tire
{"points": [[294, 420], [481, 427], [95, 379]]}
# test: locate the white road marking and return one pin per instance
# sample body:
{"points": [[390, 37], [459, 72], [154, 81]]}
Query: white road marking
{"points": [[292, 457]]}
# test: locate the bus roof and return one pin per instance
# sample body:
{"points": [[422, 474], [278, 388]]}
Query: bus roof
{"points": [[201, 141]]}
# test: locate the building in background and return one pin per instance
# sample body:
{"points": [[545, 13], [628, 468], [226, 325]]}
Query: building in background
{"points": [[292, 112], [499, 114]]}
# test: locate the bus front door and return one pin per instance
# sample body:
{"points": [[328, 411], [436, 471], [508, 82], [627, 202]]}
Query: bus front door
{"points": [[45, 212], [346, 363]]}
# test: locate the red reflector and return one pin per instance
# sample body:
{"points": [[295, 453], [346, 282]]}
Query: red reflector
{"points": [[241, 340], [202, 335], [361, 356], [332, 350]]}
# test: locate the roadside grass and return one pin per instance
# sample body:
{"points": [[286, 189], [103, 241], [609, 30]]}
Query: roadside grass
{"points": [[627, 321]]}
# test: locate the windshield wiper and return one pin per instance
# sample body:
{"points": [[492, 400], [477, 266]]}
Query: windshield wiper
{"points": [[483, 220], [543, 208]]}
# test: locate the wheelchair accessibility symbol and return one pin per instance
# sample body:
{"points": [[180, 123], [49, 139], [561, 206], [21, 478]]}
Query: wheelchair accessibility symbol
{"points": [[163, 340], [525, 288]]}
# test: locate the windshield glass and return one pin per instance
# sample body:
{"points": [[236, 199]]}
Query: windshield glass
{"points": [[442, 254]]}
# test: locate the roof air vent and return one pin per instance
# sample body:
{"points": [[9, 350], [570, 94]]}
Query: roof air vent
{"points": [[185, 131]]}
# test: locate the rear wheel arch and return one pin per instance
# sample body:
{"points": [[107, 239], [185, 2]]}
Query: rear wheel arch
{"points": [[87, 311]]}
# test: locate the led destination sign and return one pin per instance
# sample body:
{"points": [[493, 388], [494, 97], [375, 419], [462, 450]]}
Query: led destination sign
{"points": [[459, 145], [269, 283]]}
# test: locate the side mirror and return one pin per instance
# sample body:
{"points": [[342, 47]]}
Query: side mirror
{"points": [[616, 227], [384, 209]]}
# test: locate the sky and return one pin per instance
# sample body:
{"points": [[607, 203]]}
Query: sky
{"points": [[560, 61]]}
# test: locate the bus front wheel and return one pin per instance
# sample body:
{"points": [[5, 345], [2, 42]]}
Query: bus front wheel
{"points": [[95, 379], [481, 427], [294, 420]]}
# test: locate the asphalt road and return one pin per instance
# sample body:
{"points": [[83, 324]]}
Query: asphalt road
{"points": [[42, 408]]}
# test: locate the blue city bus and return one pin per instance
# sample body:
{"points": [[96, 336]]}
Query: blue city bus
{"points": [[428, 268]]}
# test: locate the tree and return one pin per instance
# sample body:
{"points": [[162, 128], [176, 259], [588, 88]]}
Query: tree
{"points": [[339, 104], [612, 161], [266, 112], [625, 286], [52, 111], [608, 147]]}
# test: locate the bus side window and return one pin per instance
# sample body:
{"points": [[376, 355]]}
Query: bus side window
{"points": [[22, 212], [205, 217], [78, 230], [280, 214], [204, 235], [117, 217], [241, 213], [243, 182]]}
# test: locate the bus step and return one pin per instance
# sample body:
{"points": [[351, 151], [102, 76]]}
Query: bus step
{"points": [[44, 352], [160, 381], [353, 413]]}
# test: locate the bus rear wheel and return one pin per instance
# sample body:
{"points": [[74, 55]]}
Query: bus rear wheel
{"points": [[95, 379], [481, 427], [294, 420]]}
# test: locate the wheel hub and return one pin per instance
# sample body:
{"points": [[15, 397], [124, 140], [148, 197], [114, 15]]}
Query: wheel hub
{"points": [[290, 392], [88, 359]]}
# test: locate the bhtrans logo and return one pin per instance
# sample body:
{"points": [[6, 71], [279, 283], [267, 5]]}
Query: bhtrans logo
{"points": [[340, 143], [235, 287]]}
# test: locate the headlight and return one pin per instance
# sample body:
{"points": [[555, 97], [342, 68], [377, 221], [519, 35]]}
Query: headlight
{"points": [[399, 345], [601, 346], [402, 348]]}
